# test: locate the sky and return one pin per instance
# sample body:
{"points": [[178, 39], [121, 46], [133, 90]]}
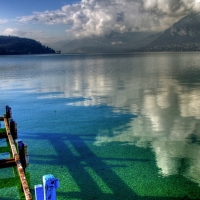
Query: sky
{"points": [[54, 20]]}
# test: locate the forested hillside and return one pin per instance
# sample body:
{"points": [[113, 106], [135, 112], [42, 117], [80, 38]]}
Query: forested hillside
{"points": [[11, 45]]}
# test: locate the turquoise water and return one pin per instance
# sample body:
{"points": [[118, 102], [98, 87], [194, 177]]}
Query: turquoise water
{"points": [[107, 126]]}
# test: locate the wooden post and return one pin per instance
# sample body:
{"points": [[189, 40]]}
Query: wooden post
{"points": [[47, 191], [21, 152], [8, 112], [39, 193], [26, 154], [50, 184]]}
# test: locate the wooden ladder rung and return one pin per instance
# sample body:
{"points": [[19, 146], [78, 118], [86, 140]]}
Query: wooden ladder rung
{"points": [[10, 162], [3, 135]]}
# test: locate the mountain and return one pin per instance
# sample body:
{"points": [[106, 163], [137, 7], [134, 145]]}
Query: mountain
{"points": [[184, 35], [10, 45], [113, 43]]}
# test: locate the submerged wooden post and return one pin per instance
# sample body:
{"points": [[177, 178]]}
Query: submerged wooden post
{"points": [[15, 155], [13, 128], [22, 157]]}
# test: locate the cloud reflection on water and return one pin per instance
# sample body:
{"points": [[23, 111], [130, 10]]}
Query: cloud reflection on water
{"points": [[167, 109], [169, 118]]}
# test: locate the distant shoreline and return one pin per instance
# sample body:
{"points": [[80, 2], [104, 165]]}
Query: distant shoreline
{"points": [[96, 54]]}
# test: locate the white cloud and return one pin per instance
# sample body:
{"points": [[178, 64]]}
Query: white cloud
{"points": [[3, 21], [37, 35], [93, 17], [16, 32]]}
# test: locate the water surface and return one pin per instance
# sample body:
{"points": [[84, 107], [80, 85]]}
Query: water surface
{"points": [[107, 126]]}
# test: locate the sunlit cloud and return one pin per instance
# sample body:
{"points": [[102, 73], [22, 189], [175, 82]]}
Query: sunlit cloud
{"points": [[93, 17]]}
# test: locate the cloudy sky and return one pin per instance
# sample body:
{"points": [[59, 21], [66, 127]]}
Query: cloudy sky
{"points": [[54, 20]]}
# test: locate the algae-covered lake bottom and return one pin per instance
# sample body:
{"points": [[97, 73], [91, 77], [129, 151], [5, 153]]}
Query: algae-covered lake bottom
{"points": [[85, 171], [107, 126]]}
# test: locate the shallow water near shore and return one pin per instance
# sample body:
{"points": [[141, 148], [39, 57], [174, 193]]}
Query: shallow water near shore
{"points": [[107, 126]]}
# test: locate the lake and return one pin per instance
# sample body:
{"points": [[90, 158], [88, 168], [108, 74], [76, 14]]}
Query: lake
{"points": [[117, 126]]}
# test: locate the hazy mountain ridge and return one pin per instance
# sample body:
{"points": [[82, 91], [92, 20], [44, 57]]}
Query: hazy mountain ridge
{"points": [[113, 43], [184, 35], [11, 45]]}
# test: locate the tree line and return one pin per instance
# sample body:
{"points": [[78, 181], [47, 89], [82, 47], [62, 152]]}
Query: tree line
{"points": [[11, 45]]}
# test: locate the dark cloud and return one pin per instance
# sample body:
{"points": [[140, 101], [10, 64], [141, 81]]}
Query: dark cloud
{"points": [[169, 7], [120, 17]]}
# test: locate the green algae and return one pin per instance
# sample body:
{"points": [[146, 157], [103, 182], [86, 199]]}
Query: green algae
{"points": [[4, 146], [2, 130], [111, 171], [10, 185], [115, 170]]}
